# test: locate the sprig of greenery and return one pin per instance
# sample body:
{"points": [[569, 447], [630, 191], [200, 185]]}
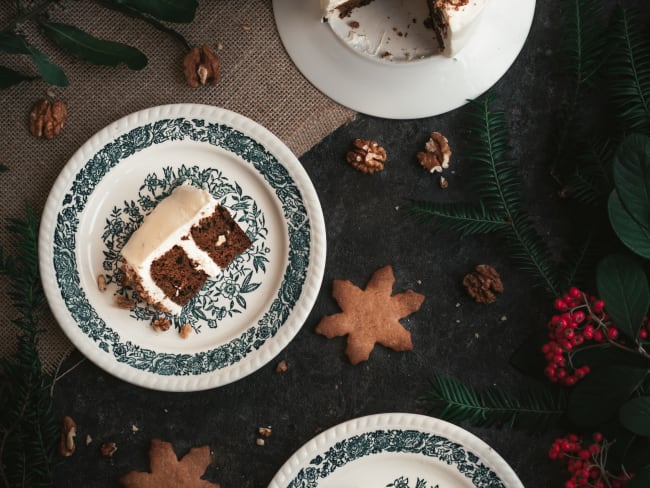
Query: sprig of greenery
{"points": [[28, 430], [533, 410], [83, 45], [499, 209]]}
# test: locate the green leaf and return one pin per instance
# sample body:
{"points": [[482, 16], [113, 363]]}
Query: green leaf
{"points": [[631, 168], [623, 285], [641, 479], [598, 397], [9, 77], [605, 354], [635, 415], [50, 72], [92, 49], [3, 168], [167, 10], [635, 236]]}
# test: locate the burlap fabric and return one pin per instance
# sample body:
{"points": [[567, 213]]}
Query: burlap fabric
{"points": [[258, 80]]}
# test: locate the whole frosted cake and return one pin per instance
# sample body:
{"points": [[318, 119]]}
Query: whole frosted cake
{"points": [[452, 21], [185, 240]]}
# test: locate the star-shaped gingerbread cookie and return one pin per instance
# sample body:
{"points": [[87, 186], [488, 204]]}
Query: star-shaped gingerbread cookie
{"points": [[168, 472], [371, 316]]}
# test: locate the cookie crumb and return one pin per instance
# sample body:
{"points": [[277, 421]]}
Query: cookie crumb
{"points": [[88, 439], [123, 302], [101, 283], [264, 431], [259, 441], [107, 449]]}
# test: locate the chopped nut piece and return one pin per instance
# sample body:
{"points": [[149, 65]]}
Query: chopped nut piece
{"points": [[200, 66], [123, 302], [47, 118], [483, 283], [264, 431], [134, 428], [107, 449], [444, 184], [259, 441], [282, 367], [367, 156], [101, 283], [88, 439], [220, 240], [68, 434], [185, 331], [245, 26], [161, 324], [437, 153]]}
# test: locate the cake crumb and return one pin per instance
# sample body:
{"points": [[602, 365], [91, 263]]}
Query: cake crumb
{"points": [[259, 442], [185, 331], [444, 184], [107, 449], [123, 302], [353, 24], [134, 428], [282, 367], [265, 431], [161, 324], [88, 439]]}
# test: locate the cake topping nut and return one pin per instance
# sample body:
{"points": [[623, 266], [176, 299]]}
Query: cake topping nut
{"points": [[201, 66], [483, 283], [367, 156], [47, 118], [436, 155]]}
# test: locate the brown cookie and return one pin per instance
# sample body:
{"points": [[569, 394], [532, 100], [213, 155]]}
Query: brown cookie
{"points": [[168, 472], [371, 316]]}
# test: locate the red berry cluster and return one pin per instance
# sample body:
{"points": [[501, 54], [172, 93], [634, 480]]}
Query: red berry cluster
{"points": [[581, 319], [585, 463]]}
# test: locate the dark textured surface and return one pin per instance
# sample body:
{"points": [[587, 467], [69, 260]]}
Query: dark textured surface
{"points": [[366, 228]]}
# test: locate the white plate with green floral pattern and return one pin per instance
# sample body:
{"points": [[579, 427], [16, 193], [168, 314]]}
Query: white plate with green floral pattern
{"points": [[396, 450], [242, 318]]}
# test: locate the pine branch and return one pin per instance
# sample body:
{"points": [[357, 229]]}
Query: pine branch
{"points": [[592, 180], [495, 178], [629, 71], [466, 220], [28, 430], [533, 410], [530, 253]]}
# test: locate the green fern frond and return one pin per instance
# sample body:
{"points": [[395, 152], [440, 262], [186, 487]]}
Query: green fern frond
{"points": [[583, 43], [530, 253], [629, 71], [462, 218], [495, 176], [532, 410]]}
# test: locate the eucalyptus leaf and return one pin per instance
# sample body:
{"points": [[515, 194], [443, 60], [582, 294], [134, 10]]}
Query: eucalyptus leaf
{"points": [[631, 169], [168, 10], [50, 72], [598, 397], [641, 479], [623, 285], [635, 415], [9, 77], [92, 49], [629, 231]]}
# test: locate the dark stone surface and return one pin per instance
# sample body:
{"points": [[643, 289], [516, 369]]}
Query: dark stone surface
{"points": [[366, 228]]}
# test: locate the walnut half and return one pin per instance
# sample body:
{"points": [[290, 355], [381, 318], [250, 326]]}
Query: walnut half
{"points": [[483, 283], [47, 118], [201, 66], [367, 156], [436, 155], [68, 434]]}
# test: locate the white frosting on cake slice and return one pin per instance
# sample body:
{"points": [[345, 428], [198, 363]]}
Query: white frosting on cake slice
{"points": [[463, 21], [165, 228]]}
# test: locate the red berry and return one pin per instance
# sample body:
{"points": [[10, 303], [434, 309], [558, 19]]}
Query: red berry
{"points": [[597, 436], [575, 292], [612, 333], [560, 305], [579, 316], [643, 334], [598, 306]]}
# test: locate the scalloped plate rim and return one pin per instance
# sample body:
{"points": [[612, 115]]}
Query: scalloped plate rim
{"points": [[327, 439], [314, 269]]}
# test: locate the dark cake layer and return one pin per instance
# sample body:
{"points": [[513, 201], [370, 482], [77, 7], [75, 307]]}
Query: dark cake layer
{"points": [[177, 275], [220, 237], [347, 7]]}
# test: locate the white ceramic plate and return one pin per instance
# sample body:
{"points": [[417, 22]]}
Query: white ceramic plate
{"points": [[396, 450], [394, 89], [243, 317]]}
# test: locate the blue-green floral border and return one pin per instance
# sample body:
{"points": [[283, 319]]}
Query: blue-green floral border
{"points": [[397, 441], [109, 156]]}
